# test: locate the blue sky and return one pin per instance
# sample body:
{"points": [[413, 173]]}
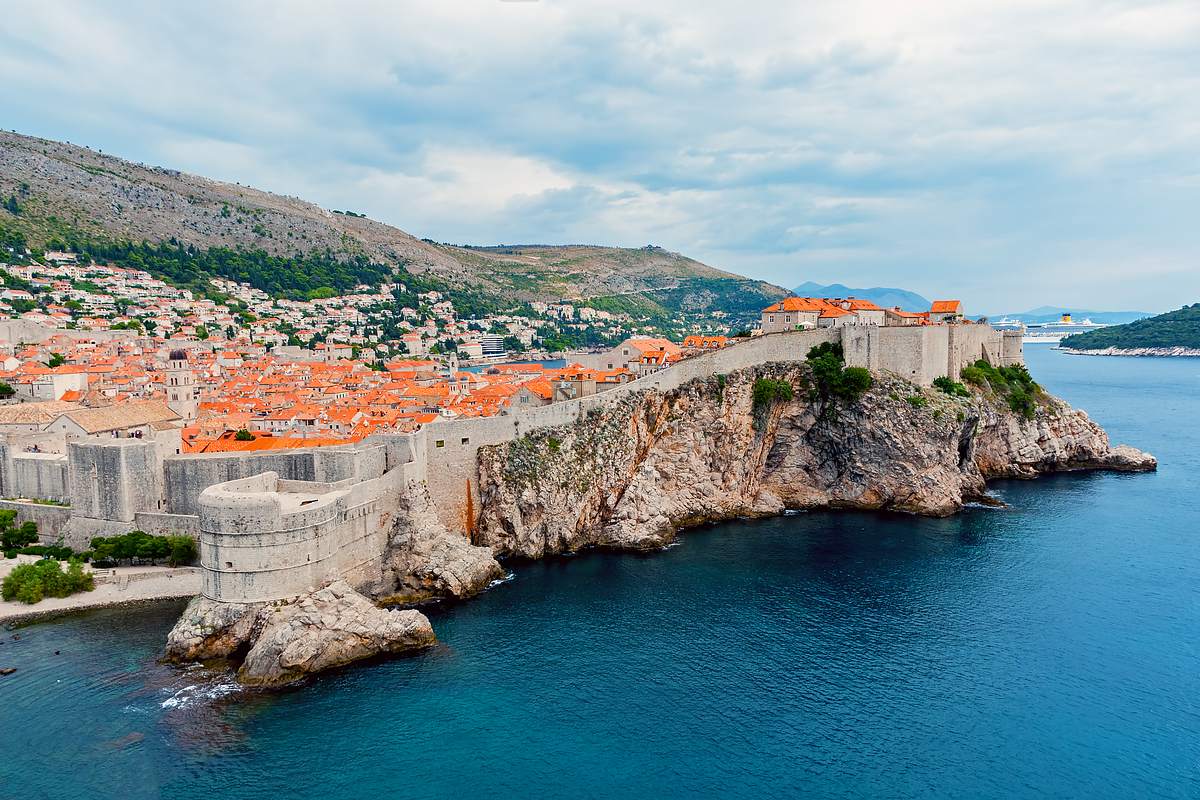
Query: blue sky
{"points": [[1014, 153]]}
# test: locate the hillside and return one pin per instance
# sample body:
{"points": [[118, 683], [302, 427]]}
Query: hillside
{"points": [[52, 193], [1175, 329], [881, 296]]}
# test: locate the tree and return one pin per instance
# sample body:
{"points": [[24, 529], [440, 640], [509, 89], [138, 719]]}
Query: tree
{"points": [[6, 391], [56, 360], [201, 332], [244, 435]]}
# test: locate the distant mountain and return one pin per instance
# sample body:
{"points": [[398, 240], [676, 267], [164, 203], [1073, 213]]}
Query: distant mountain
{"points": [[54, 194], [1171, 330], [879, 295], [1053, 313]]}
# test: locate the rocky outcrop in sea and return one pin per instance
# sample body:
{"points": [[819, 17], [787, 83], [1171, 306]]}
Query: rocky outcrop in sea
{"points": [[632, 474], [281, 642]]}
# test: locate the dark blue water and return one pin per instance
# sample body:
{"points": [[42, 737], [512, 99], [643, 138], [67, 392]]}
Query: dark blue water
{"points": [[1047, 650]]}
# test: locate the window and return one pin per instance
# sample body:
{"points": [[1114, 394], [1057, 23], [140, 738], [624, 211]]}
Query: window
{"points": [[465, 440], [228, 565], [440, 443]]}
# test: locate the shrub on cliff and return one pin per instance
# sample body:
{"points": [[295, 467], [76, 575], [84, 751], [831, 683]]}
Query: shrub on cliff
{"points": [[29, 583], [951, 387], [1013, 383], [769, 390], [833, 378], [766, 393]]}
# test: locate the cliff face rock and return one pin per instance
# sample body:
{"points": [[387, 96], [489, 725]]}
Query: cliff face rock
{"points": [[286, 640], [1058, 439], [426, 560], [630, 475]]}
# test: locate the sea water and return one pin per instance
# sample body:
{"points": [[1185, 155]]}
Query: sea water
{"points": [[1048, 649]]}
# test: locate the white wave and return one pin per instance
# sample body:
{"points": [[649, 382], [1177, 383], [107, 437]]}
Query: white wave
{"points": [[505, 579], [200, 692]]}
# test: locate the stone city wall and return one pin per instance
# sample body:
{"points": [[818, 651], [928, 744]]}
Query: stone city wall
{"points": [[263, 538], [51, 520], [159, 524], [186, 476]]}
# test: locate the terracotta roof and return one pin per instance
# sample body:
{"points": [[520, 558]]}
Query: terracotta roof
{"points": [[121, 415], [796, 304], [35, 413], [946, 307]]}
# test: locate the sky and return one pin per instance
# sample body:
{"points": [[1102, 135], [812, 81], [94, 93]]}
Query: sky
{"points": [[1013, 153]]}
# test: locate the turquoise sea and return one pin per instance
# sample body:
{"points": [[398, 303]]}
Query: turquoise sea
{"points": [[1046, 650]]}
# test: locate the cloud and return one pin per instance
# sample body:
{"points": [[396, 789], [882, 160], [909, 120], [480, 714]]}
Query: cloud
{"points": [[1011, 153]]}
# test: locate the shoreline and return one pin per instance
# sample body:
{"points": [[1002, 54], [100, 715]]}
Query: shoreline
{"points": [[1137, 352], [152, 585]]}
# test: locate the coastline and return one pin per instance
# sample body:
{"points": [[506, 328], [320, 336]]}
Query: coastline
{"points": [[1147, 352], [149, 585]]}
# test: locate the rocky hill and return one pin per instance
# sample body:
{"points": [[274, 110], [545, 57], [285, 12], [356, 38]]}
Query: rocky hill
{"points": [[55, 191]]}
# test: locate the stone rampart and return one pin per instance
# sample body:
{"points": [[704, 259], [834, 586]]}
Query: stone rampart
{"points": [[262, 538], [186, 476], [159, 524], [51, 520]]}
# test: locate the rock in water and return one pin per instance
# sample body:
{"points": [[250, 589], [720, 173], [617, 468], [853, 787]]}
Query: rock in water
{"points": [[330, 627], [287, 640], [209, 629]]}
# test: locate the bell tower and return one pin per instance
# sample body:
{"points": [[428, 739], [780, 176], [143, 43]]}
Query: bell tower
{"points": [[182, 393]]}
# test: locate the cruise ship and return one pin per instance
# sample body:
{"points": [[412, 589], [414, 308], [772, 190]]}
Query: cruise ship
{"points": [[1054, 332]]}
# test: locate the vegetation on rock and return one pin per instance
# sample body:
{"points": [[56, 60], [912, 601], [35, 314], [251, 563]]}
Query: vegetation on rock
{"points": [[950, 387], [1013, 383], [833, 378]]}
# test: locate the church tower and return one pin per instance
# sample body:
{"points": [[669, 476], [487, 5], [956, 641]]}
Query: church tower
{"points": [[183, 396]]}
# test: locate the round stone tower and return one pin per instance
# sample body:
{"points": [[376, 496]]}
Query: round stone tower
{"points": [[183, 396]]}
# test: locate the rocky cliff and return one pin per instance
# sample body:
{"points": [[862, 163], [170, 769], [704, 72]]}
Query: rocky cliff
{"points": [[632, 474]]}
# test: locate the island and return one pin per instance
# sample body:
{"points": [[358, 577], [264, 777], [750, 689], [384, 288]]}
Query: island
{"points": [[1176, 333]]}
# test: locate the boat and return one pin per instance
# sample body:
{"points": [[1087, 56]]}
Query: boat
{"points": [[1054, 332]]}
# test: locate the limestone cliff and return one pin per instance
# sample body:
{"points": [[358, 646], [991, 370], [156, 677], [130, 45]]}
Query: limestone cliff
{"points": [[424, 560], [286, 640], [630, 475]]}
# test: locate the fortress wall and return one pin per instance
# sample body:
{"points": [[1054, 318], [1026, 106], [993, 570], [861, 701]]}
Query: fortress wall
{"points": [[262, 538], [23, 331], [43, 476], [50, 519], [452, 463], [1012, 348], [157, 524], [969, 343], [113, 479], [186, 476]]}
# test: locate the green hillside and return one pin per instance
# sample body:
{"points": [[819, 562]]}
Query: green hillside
{"points": [[1174, 329]]}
